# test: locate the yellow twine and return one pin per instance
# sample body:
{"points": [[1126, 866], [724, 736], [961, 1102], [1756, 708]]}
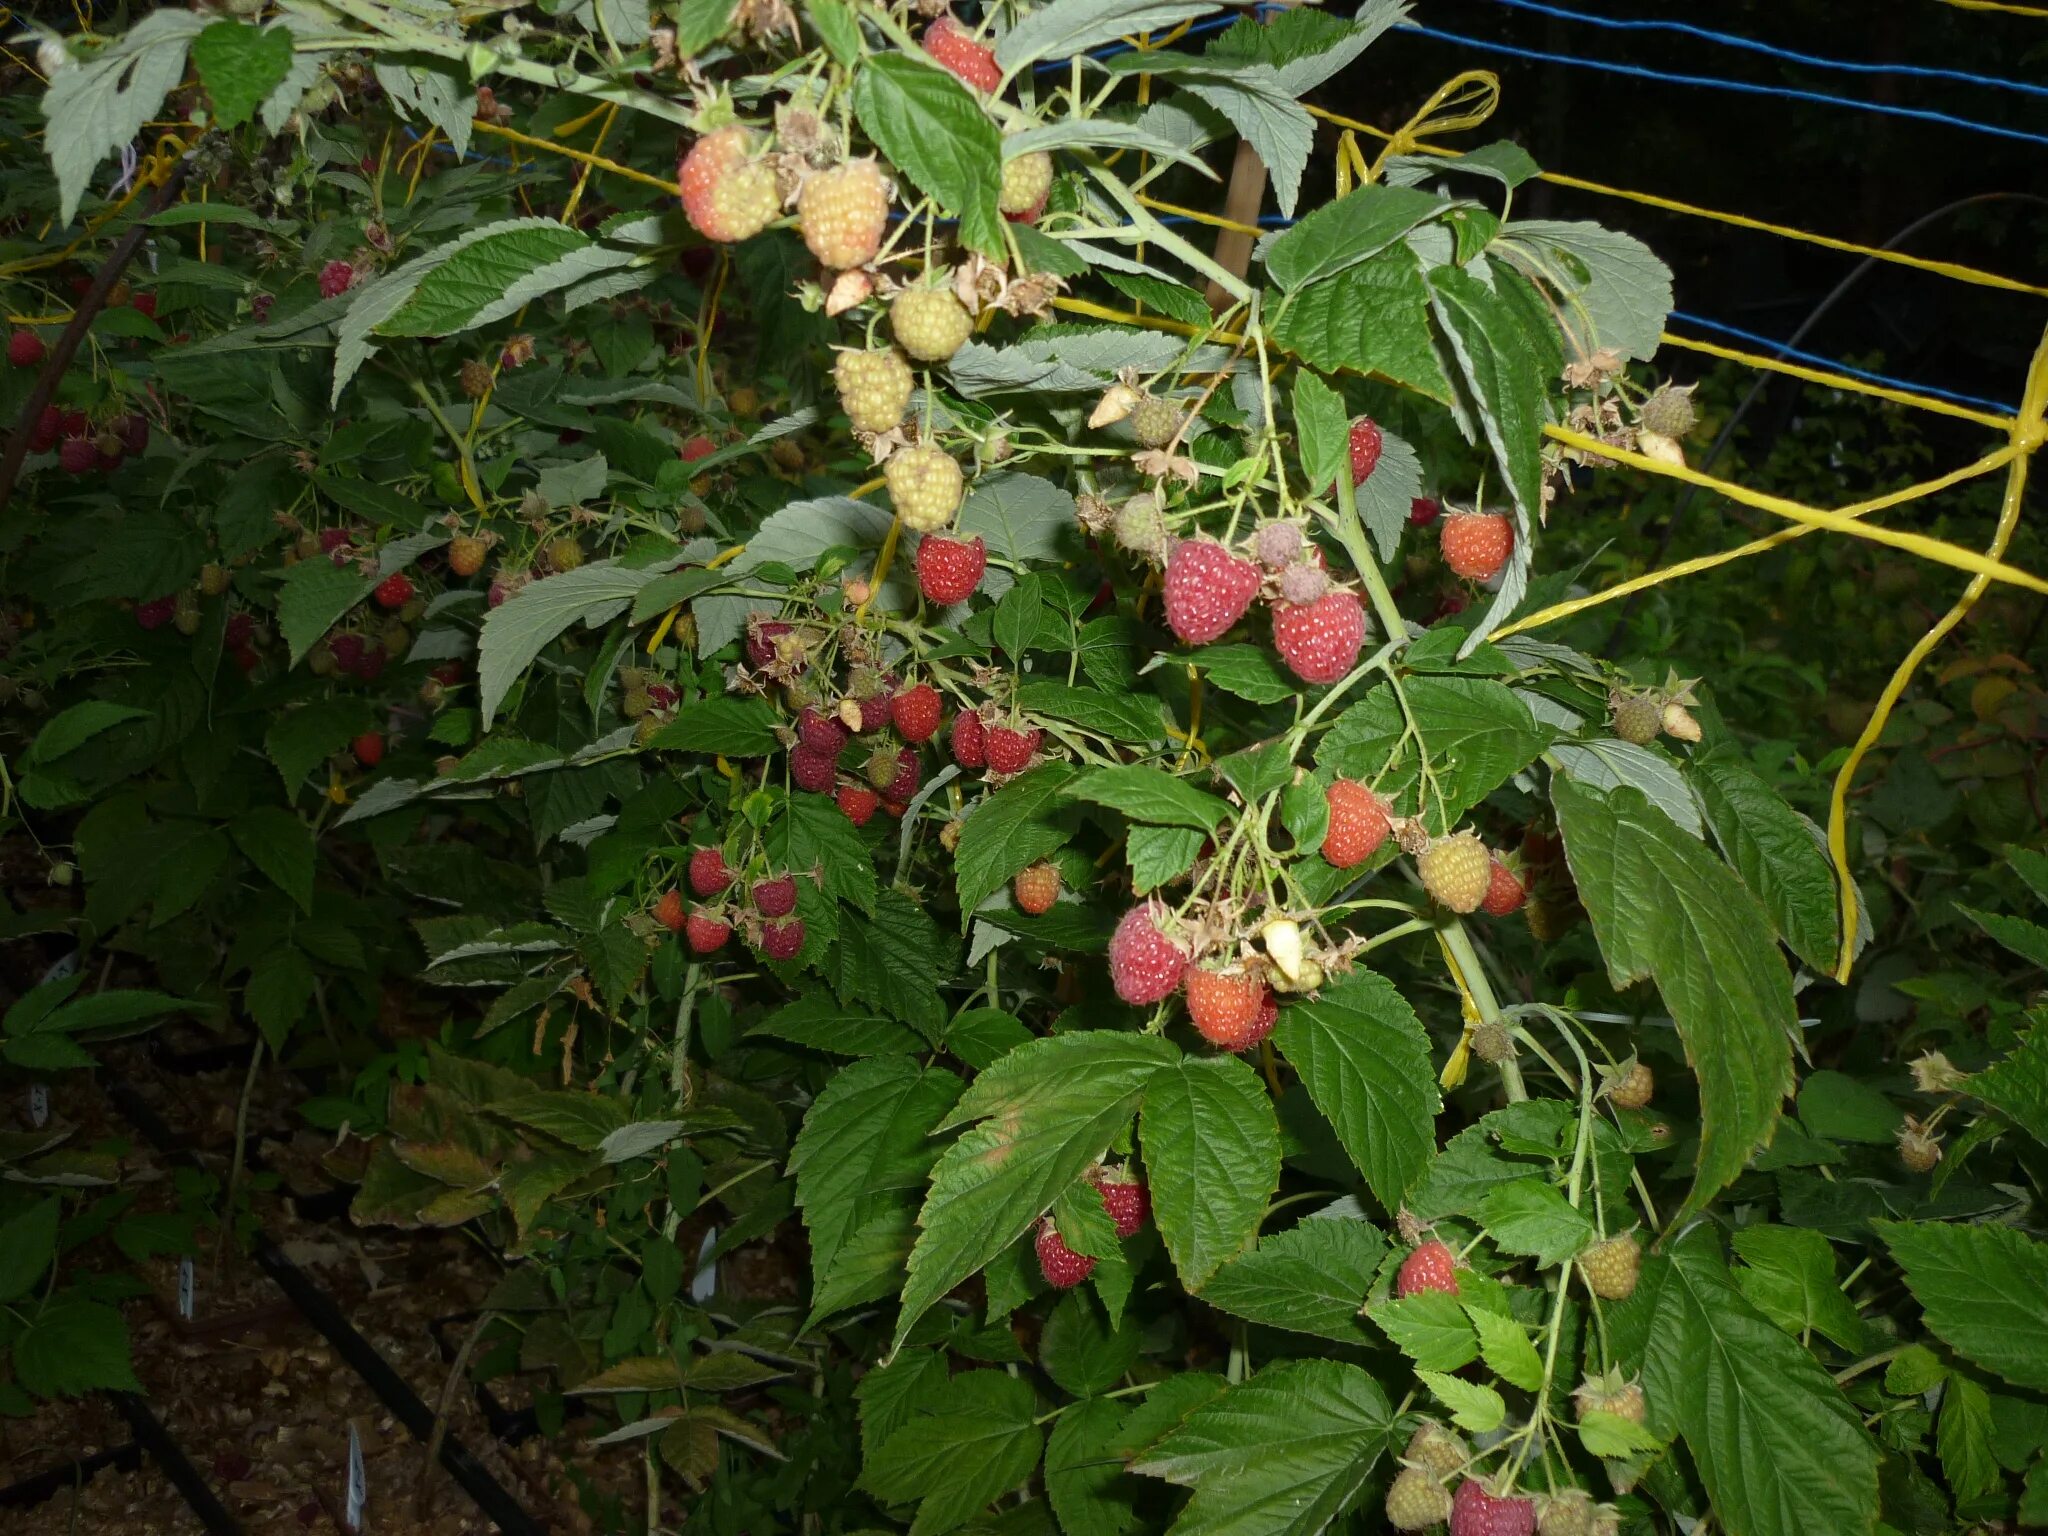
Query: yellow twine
{"points": [[613, 167], [1998, 5], [2028, 433], [1464, 101], [1839, 381]]}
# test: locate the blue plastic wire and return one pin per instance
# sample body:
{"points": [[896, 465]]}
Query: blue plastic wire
{"points": [[1745, 87], [1756, 45], [1780, 349]]}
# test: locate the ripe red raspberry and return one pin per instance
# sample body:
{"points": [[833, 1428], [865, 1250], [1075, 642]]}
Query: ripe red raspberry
{"points": [[929, 323], [1358, 824], [1504, 893], [156, 613], [1037, 887], [970, 740], [1422, 511], [1010, 749], [145, 305], [776, 897], [948, 570], [394, 591], [925, 486], [812, 771], [240, 629], [872, 713], [1127, 1201], [843, 212], [859, 803], [347, 651], [1456, 871], [698, 447], [1431, 1267], [1475, 1512], [668, 910], [77, 456], [1145, 965], [874, 388], [1207, 589], [952, 48], [820, 732], [1225, 1006], [709, 873], [706, 933], [762, 636], [133, 428], [1477, 544], [916, 711], [783, 940], [1062, 1267], [1320, 641], [335, 542], [903, 785], [336, 278], [48, 428], [1365, 449], [25, 349], [368, 749], [370, 665], [1611, 1268], [729, 191]]}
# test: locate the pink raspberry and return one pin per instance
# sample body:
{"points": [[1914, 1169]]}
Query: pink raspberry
{"points": [[1144, 964], [1207, 590]]}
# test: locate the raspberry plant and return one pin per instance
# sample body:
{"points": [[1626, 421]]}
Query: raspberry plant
{"points": [[885, 692]]}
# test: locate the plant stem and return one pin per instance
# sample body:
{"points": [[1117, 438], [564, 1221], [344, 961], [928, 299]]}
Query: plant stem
{"points": [[1459, 943]]}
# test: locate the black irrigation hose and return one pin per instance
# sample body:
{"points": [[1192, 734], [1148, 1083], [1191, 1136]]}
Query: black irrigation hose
{"points": [[321, 1311], [41, 1487], [151, 1435]]}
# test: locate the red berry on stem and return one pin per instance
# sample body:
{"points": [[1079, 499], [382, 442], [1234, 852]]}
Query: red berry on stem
{"points": [[1062, 1267], [948, 570], [1365, 449], [1145, 964], [953, 49], [1010, 749], [970, 740], [859, 802], [1127, 1202], [706, 933], [777, 897], [668, 910], [1358, 824], [783, 940], [916, 711], [1037, 887], [368, 749], [1320, 641], [821, 732], [1475, 1512], [1225, 1006], [1207, 589], [1430, 1267], [709, 873], [812, 771], [25, 349], [1477, 544], [394, 591], [335, 279], [1504, 893]]}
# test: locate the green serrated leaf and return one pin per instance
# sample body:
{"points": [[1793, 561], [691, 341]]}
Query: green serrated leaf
{"points": [[1212, 1149], [933, 131]]}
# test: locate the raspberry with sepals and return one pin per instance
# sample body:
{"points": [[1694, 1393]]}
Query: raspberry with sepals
{"points": [[783, 940], [1476, 1512], [1010, 747], [564, 554], [1037, 887], [1669, 411], [1224, 1006], [1027, 178], [25, 349], [811, 770], [336, 278], [1358, 823], [368, 748], [706, 933], [775, 897], [1476, 544], [1155, 422], [474, 378], [1437, 1450], [465, 555], [729, 191], [1634, 1088], [1127, 1201], [1505, 893], [1320, 640], [1612, 1267], [1636, 717], [916, 711], [668, 910], [1416, 1501], [1207, 589], [710, 875], [762, 638], [843, 212], [970, 740], [1145, 963], [696, 446], [926, 486], [1568, 1512], [1431, 1266], [948, 570], [1278, 544], [1611, 1393], [954, 49], [820, 732], [1062, 1267], [77, 456], [858, 802], [1140, 527], [874, 388], [1456, 871], [394, 591], [929, 323], [1366, 443]]}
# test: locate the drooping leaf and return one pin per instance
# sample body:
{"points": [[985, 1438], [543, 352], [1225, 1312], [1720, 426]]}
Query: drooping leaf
{"points": [[1984, 1289], [932, 130], [1212, 1148], [1310, 1278]]}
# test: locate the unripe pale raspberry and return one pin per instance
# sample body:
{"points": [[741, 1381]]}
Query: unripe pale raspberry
{"points": [[874, 388], [1026, 180], [929, 323], [1456, 871], [1634, 1088], [465, 555], [1416, 1501], [1438, 1450], [1277, 544], [1669, 411], [1155, 422], [729, 193], [843, 212], [925, 485], [1303, 583], [1140, 527], [1636, 717], [1611, 1268]]}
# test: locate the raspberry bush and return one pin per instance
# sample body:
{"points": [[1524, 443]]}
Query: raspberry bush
{"points": [[1015, 937]]}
